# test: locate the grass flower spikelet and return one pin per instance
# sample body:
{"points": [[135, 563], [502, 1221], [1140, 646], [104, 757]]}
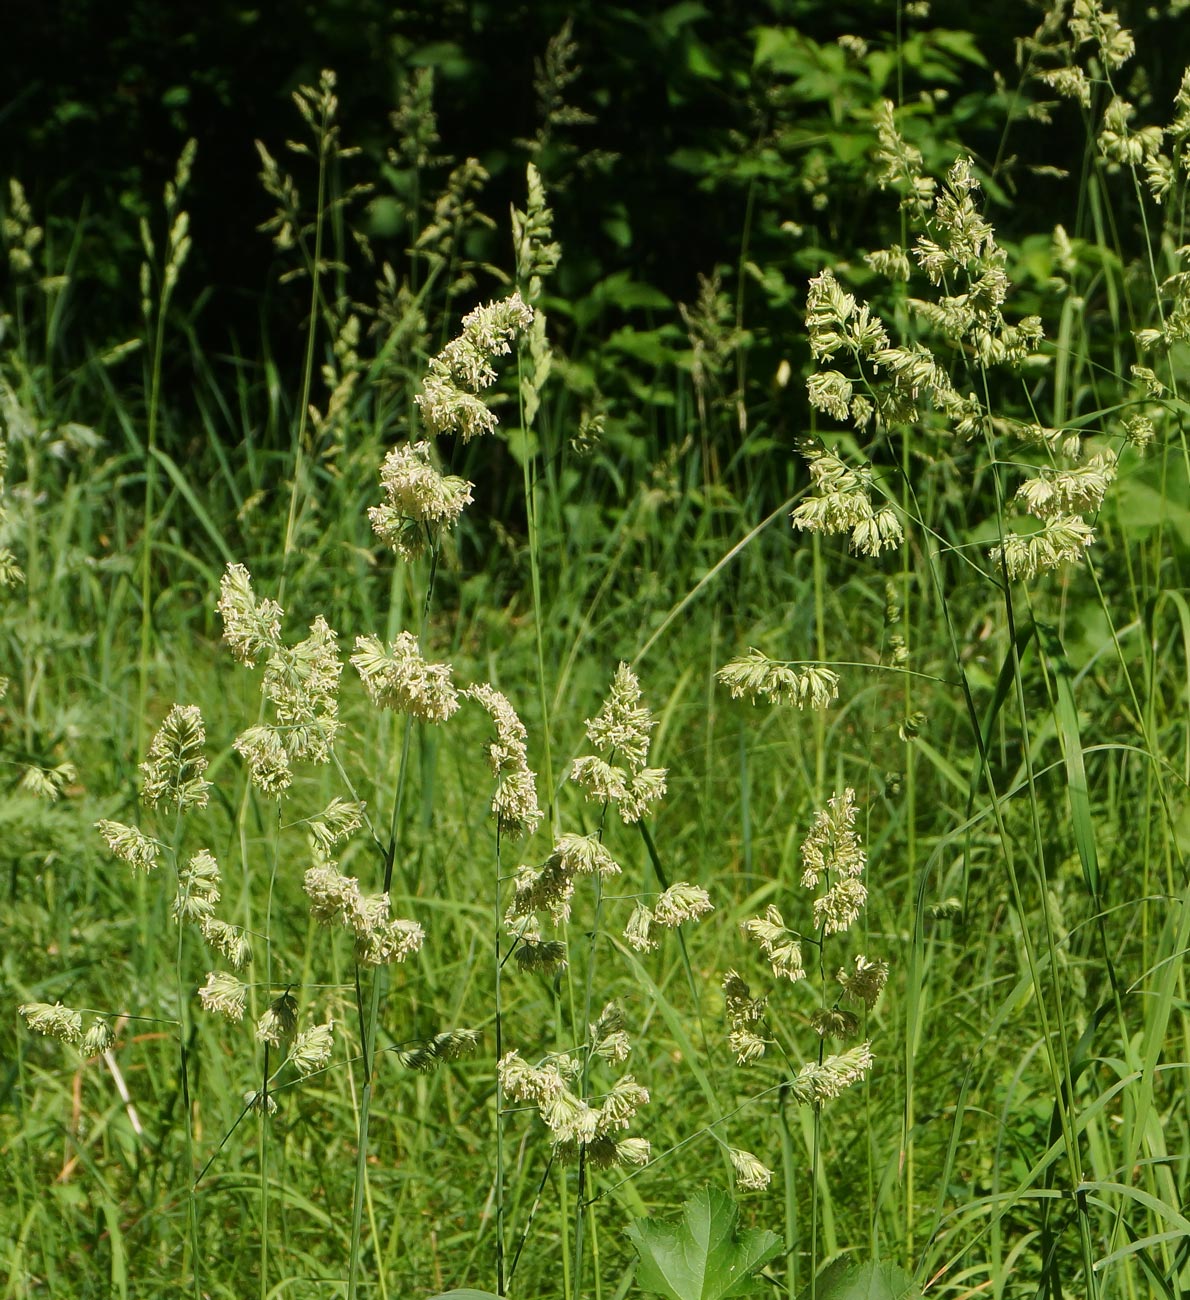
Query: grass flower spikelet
{"points": [[757, 676], [400, 679], [682, 901], [621, 729], [173, 771], [229, 940], [815, 1083], [418, 500], [198, 889], [866, 982], [279, 1021], [98, 1038], [311, 1049], [751, 1175], [129, 844], [250, 627], [514, 802], [224, 995], [53, 1020], [448, 400]]}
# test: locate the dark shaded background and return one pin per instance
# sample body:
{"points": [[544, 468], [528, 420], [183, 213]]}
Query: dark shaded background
{"points": [[101, 97]]}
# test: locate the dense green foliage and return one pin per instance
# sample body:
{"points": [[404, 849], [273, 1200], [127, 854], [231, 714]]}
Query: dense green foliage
{"points": [[892, 274]]}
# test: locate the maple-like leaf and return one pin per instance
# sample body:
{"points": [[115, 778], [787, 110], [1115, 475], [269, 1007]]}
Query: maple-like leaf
{"points": [[703, 1256]]}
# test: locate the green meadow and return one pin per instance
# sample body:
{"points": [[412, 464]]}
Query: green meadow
{"points": [[519, 781]]}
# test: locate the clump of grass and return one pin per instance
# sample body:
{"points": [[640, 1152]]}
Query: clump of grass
{"points": [[1004, 707]]}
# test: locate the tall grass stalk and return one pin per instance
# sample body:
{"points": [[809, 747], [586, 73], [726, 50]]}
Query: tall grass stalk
{"points": [[177, 248]]}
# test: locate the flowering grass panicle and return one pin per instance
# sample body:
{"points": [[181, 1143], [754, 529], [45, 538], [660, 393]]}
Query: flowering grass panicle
{"points": [[757, 676], [98, 1038], [419, 500], [550, 887], [819, 1081], [53, 1020], [751, 1174], [224, 995], [278, 1023], [608, 1037], [514, 802], [198, 889], [129, 844], [251, 628], [833, 861], [620, 775], [449, 400], [311, 1049], [400, 679], [380, 938], [842, 503], [679, 903], [780, 945], [338, 821], [447, 1045], [300, 681], [577, 1127], [865, 377], [173, 770]]}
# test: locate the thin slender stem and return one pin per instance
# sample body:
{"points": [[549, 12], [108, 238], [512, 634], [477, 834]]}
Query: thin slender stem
{"points": [[499, 993]]}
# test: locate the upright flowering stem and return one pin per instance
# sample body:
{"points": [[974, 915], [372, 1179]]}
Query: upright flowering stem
{"points": [[580, 1194], [308, 367], [176, 251], [529, 472], [368, 1026], [910, 787], [498, 993], [184, 1079]]}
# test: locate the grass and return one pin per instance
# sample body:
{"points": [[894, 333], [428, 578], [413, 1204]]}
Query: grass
{"points": [[1019, 750]]}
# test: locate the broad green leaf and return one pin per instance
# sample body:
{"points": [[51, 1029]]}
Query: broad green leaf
{"points": [[703, 1256], [849, 1279]]}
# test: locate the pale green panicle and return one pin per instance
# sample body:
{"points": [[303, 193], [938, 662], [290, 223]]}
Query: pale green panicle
{"points": [[781, 946], [757, 676], [681, 902], [815, 1083], [198, 889], [449, 400], [173, 771], [311, 1049], [380, 938], [224, 995], [278, 1024], [622, 730], [399, 678], [550, 887], [833, 862], [1089, 21], [227, 939], [448, 1045], [514, 802], [419, 499], [98, 1038], [578, 1127], [751, 1174], [300, 681], [129, 844], [53, 1020], [48, 783]]}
